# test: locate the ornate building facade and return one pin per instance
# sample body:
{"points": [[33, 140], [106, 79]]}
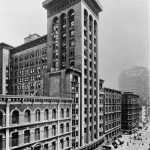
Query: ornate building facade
{"points": [[35, 123]]}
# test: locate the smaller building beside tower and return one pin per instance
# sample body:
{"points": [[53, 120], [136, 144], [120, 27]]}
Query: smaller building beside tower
{"points": [[130, 112], [28, 64], [4, 68], [35, 123], [112, 113]]}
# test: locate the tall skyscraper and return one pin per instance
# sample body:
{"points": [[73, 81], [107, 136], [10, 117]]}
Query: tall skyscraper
{"points": [[136, 80], [73, 43]]}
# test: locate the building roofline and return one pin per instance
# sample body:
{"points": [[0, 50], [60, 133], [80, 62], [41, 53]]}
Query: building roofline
{"points": [[2, 44], [47, 3], [33, 97], [28, 45], [130, 93], [105, 88]]}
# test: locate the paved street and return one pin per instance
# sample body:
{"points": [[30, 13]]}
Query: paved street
{"points": [[136, 144]]}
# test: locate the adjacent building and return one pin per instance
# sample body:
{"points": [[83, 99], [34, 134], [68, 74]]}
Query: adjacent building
{"points": [[4, 68], [112, 113], [35, 123], [101, 107], [130, 112], [28, 64], [136, 80]]}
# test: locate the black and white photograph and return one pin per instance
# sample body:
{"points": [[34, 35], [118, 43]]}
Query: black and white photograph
{"points": [[74, 75]]}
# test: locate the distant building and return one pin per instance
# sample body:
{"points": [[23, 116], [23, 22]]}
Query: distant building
{"points": [[4, 68], [35, 123], [112, 113], [136, 80], [130, 112]]}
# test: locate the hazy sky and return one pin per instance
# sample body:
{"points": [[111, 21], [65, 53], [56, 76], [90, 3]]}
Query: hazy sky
{"points": [[123, 32]]}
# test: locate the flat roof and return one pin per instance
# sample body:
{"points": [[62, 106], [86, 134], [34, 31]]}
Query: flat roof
{"points": [[3, 45], [47, 3], [30, 44]]}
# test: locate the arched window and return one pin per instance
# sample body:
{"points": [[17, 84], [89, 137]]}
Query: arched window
{"points": [[27, 136], [67, 127], [71, 16], [85, 17], [53, 145], [46, 132], [62, 113], [46, 114], [15, 117], [37, 134], [61, 128], [95, 27], [1, 118], [63, 19], [53, 130], [15, 139], [54, 114], [61, 144], [27, 116], [46, 147], [55, 25], [67, 141], [37, 115], [67, 113], [90, 23]]}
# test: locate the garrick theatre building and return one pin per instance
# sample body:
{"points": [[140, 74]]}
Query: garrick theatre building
{"points": [[64, 64], [72, 39]]}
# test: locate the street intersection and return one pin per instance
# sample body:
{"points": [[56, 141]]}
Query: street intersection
{"points": [[130, 143]]}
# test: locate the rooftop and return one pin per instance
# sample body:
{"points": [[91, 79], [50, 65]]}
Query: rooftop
{"points": [[30, 44], [4, 45], [48, 3]]}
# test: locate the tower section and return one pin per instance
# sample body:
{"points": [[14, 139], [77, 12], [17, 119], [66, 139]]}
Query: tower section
{"points": [[72, 27]]}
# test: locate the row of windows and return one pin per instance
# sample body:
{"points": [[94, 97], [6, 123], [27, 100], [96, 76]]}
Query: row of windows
{"points": [[30, 64], [37, 136], [113, 101], [27, 115], [112, 109], [112, 95], [31, 55], [63, 26]]}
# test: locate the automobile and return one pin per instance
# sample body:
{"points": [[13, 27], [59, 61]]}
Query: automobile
{"points": [[139, 127], [140, 134], [115, 145], [107, 147], [120, 136], [138, 138]]}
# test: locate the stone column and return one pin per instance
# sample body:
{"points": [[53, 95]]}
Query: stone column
{"points": [[32, 135], [21, 137], [7, 124]]}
